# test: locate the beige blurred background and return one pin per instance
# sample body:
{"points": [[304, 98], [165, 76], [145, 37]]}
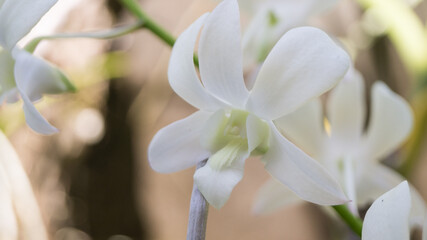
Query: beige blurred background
{"points": [[93, 180]]}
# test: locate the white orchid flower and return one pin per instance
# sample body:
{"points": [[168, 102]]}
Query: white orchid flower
{"points": [[351, 154], [20, 216], [21, 72], [271, 19], [389, 217], [232, 122]]}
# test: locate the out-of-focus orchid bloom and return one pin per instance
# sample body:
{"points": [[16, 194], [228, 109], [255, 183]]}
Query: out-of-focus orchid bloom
{"points": [[232, 122], [21, 72], [389, 217], [271, 19], [340, 143], [20, 216]]}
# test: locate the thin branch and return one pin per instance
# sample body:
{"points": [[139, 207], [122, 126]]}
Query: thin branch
{"points": [[151, 25], [102, 34]]}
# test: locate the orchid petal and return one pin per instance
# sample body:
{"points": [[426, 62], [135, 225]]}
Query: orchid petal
{"points": [[177, 146], [213, 137], [8, 221], [375, 180], [346, 111], [302, 174], [257, 132], [304, 64], [304, 127], [215, 184], [34, 119], [378, 179], [249, 5], [271, 21], [18, 17], [24, 203], [220, 55], [390, 123], [272, 196], [36, 77], [350, 185], [317, 7], [182, 73], [255, 39], [388, 216]]}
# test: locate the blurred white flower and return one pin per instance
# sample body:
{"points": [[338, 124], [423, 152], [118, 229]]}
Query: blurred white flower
{"points": [[271, 19], [21, 72], [389, 217], [20, 216], [232, 122], [340, 143]]}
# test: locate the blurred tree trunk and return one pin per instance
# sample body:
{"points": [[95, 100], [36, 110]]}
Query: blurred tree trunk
{"points": [[102, 186], [111, 196]]}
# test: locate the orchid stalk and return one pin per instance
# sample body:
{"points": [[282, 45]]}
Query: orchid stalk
{"points": [[156, 29], [198, 215]]}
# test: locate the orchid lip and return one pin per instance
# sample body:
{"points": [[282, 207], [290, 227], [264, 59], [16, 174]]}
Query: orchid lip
{"points": [[228, 137]]}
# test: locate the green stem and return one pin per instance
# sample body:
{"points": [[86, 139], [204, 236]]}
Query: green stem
{"points": [[352, 221], [104, 34], [151, 25], [159, 31]]}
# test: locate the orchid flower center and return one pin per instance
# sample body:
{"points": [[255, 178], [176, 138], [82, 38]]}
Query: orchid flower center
{"points": [[228, 141]]}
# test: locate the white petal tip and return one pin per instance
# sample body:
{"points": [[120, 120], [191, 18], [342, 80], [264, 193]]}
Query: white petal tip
{"points": [[52, 130], [216, 186], [44, 129], [177, 146], [35, 120], [333, 200], [390, 211], [273, 196]]}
